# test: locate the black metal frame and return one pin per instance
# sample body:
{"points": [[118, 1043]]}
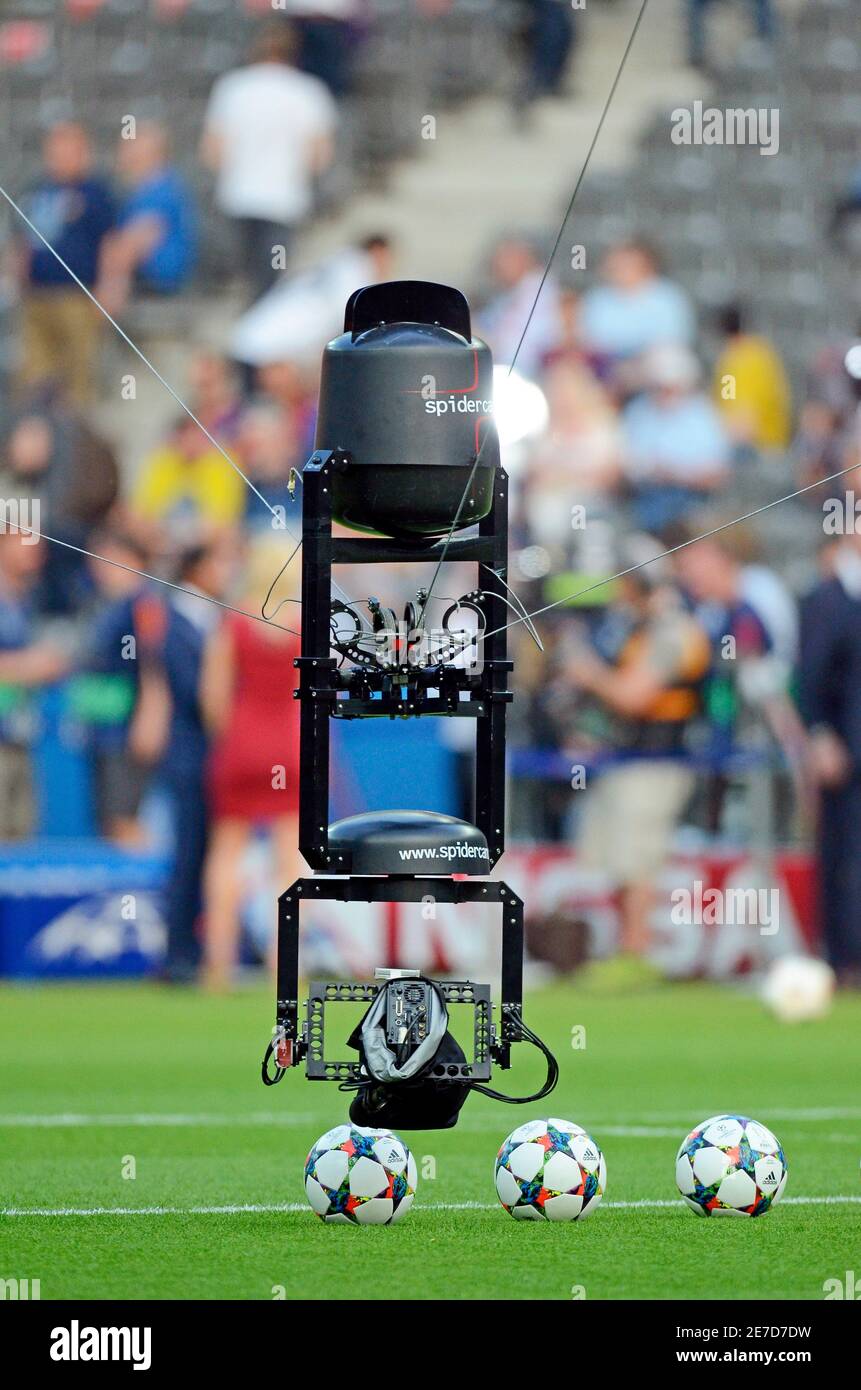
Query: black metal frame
{"points": [[326, 692], [320, 680], [323, 992], [300, 1043]]}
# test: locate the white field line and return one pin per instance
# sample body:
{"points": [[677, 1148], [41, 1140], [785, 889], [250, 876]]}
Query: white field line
{"points": [[278, 1119], [287, 1119], [812, 1114], [272, 1208]]}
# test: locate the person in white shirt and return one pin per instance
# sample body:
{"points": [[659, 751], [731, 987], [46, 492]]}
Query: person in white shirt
{"points": [[302, 312], [268, 133]]}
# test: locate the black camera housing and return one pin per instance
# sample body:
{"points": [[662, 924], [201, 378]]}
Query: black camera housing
{"points": [[407, 393]]}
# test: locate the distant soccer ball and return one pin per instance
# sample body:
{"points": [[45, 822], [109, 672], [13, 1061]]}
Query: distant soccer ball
{"points": [[731, 1166], [550, 1170], [364, 1176], [798, 988]]}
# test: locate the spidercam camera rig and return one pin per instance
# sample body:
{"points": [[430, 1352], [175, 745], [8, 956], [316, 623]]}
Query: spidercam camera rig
{"points": [[407, 454]]}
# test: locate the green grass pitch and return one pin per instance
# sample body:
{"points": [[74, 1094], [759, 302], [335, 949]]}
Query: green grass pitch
{"points": [[94, 1077]]}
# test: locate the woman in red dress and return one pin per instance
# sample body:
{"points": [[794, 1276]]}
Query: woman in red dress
{"points": [[247, 699]]}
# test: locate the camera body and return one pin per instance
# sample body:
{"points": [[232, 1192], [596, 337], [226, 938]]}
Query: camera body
{"points": [[407, 1013]]}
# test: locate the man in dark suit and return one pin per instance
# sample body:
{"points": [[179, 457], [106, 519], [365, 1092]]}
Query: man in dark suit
{"points": [[830, 698]]}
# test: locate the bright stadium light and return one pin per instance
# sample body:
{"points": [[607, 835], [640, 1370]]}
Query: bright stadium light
{"points": [[519, 406], [852, 361]]}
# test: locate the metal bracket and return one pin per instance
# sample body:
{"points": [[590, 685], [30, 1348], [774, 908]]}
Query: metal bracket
{"points": [[323, 992], [489, 1045]]}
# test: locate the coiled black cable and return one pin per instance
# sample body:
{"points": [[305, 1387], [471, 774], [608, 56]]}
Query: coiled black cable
{"points": [[268, 1078], [527, 1035]]}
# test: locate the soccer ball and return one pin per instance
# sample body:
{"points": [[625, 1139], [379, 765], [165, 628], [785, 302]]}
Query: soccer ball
{"points": [[550, 1170], [731, 1166], [364, 1176], [798, 988]]}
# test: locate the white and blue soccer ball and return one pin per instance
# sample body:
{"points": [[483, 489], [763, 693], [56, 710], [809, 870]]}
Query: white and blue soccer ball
{"points": [[364, 1177], [731, 1166], [550, 1170]]}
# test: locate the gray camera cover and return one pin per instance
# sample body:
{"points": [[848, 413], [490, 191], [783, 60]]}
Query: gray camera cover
{"points": [[379, 1057]]}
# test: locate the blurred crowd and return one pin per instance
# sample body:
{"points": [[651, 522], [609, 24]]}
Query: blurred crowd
{"points": [[636, 442], [697, 649], [164, 690]]}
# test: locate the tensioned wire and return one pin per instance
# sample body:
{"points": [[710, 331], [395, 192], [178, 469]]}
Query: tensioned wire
{"points": [[525, 617], [166, 384], [580, 177]]}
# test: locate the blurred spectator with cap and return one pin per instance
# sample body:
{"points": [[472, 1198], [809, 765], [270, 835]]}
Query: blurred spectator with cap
{"points": [[269, 132], [154, 247], [634, 308], [643, 682], [73, 209], [677, 451]]}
